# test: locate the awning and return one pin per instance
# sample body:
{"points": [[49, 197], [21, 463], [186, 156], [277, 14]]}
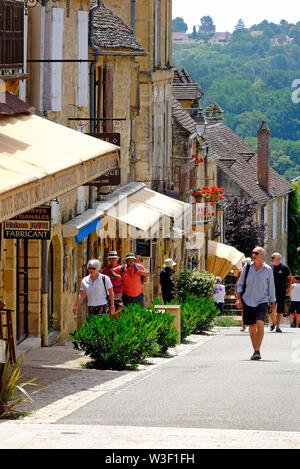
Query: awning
{"points": [[41, 160], [222, 259], [143, 209], [82, 225]]}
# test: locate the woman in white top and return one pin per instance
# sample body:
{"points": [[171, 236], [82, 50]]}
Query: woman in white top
{"points": [[98, 290], [295, 299]]}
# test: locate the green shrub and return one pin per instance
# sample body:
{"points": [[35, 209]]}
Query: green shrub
{"points": [[198, 284], [197, 315], [126, 341], [207, 313], [167, 335], [224, 321]]}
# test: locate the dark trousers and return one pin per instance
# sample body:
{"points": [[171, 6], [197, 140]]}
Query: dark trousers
{"points": [[128, 300]]}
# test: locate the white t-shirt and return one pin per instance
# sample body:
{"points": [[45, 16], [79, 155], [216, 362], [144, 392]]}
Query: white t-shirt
{"points": [[219, 294], [295, 292], [95, 291]]}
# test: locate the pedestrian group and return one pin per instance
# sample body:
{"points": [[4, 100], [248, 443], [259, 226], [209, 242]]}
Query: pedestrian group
{"points": [[260, 289]]}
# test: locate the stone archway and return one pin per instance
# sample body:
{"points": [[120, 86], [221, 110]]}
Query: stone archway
{"points": [[54, 285]]}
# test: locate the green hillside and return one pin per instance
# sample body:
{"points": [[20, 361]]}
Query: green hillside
{"points": [[251, 79]]}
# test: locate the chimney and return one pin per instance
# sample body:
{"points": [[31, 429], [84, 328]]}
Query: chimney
{"points": [[263, 163]]}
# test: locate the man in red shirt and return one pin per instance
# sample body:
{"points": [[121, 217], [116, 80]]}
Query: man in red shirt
{"points": [[115, 279], [131, 274]]}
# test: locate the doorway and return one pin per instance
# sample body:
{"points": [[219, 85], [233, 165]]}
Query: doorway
{"points": [[22, 290]]}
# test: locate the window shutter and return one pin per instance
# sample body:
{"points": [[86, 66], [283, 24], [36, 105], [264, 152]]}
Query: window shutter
{"points": [[274, 219], [83, 70], [108, 98], [56, 48]]}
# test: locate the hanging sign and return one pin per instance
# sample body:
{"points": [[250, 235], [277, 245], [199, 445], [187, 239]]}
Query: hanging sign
{"points": [[34, 224]]}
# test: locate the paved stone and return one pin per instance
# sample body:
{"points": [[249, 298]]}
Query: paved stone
{"points": [[70, 386], [21, 435]]}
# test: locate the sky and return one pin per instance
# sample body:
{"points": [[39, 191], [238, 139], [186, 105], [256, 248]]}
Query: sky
{"points": [[226, 14]]}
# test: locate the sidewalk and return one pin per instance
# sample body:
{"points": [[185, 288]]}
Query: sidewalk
{"points": [[71, 386]]}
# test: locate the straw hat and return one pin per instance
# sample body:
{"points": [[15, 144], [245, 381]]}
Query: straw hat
{"points": [[169, 263], [130, 255], [112, 255]]}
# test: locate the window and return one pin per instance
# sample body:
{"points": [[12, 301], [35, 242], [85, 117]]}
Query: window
{"points": [[11, 34]]}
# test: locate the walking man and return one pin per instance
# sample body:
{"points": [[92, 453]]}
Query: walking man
{"points": [[166, 281], [255, 290], [132, 286], [283, 281], [114, 278]]}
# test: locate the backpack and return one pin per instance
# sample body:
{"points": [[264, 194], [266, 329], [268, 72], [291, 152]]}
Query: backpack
{"points": [[136, 269]]}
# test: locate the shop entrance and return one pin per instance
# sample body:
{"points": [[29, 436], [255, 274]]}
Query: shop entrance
{"points": [[22, 290]]}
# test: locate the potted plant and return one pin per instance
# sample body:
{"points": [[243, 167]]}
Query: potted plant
{"points": [[197, 159], [208, 194], [197, 194]]}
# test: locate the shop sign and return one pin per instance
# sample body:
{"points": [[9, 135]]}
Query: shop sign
{"points": [[34, 224], [114, 138]]}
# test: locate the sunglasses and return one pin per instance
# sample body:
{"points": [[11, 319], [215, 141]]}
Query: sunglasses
{"points": [[91, 268], [256, 253]]}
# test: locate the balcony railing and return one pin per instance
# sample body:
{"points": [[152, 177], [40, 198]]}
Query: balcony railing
{"points": [[11, 34]]}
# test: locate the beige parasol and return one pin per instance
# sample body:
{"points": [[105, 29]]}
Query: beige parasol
{"points": [[223, 259]]}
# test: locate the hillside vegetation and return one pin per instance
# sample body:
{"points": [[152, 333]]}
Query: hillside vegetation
{"points": [[251, 79]]}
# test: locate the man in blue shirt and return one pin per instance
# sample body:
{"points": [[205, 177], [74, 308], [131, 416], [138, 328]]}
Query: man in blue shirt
{"points": [[254, 293]]}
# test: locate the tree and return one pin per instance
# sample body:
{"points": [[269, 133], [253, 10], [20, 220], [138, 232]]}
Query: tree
{"points": [[241, 231], [294, 229], [240, 26], [194, 34], [178, 25], [207, 25]]}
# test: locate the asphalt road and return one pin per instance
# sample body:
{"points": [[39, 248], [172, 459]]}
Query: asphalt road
{"points": [[214, 386]]}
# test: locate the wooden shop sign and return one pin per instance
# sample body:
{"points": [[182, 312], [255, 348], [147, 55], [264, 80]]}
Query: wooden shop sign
{"points": [[34, 224]]}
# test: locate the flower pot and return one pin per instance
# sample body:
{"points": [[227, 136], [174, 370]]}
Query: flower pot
{"points": [[198, 199], [211, 200]]}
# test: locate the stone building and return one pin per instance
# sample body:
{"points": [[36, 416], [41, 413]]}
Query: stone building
{"points": [[244, 173], [153, 125], [44, 166]]}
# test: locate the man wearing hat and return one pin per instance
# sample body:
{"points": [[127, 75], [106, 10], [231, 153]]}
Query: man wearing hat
{"points": [[131, 274], [115, 279], [166, 282]]}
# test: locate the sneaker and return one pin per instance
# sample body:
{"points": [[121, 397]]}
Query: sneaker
{"points": [[256, 355], [278, 329], [243, 329], [272, 327]]}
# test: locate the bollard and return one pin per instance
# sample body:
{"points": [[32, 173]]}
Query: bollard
{"points": [[174, 310]]}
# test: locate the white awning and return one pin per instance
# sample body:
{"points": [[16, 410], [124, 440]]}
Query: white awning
{"points": [[142, 208], [41, 160]]}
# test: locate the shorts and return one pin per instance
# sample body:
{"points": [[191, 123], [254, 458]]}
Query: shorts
{"points": [[100, 310], [118, 302], [128, 300], [294, 307], [252, 314], [280, 302]]}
